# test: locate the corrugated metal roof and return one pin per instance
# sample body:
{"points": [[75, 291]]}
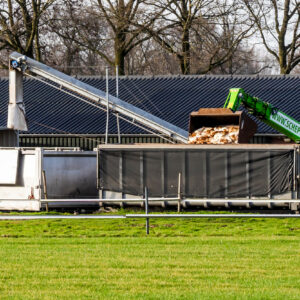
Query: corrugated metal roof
{"points": [[169, 97]]}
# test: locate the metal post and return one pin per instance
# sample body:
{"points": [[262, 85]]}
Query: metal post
{"points": [[146, 210], [269, 162], [117, 81], [45, 189], [107, 108], [179, 192], [118, 127], [117, 95]]}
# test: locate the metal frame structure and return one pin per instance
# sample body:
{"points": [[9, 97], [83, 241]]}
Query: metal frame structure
{"points": [[128, 112], [62, 198]]}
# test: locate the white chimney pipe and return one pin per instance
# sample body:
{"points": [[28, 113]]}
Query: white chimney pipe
{"points": [[16, 118]]}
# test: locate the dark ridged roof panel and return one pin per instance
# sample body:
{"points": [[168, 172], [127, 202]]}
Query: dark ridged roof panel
{"points": [[169, 97]]}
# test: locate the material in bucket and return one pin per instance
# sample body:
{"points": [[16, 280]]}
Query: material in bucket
{"points": [[220, 126], [219, 135]]}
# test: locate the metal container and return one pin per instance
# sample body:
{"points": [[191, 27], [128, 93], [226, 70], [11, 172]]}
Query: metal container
{"points": [[212, 117], [26, 173], [70, 174], [20, 179], [221, 173]]}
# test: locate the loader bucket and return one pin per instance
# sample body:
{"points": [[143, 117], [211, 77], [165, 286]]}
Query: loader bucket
{"points": [[212, 117]]}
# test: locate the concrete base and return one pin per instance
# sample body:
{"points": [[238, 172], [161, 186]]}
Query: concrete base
{"points": [[20, 205]]}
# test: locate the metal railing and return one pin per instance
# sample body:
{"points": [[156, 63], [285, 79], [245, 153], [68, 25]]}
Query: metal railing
{"points": [[146, 216]]}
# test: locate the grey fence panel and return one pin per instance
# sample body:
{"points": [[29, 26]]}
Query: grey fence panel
{"points": [[110, 170], [206, 173], [216, 174], [83, 141], [196, 171], [153, 163], [238, 183], [8, 138], [259, 168], [91, 141], [174, 163], [131, 172]]}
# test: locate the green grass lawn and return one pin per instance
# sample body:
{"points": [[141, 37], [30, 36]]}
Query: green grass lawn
{"points": [[181, 259]]}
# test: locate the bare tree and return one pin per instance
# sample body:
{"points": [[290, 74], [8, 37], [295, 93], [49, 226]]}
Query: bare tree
{"points": [[119, 15], [19, 26], [191, 28], [149, 58], [173, 33], [278, 25], [221, 44], [64, 49], [104, 25]]}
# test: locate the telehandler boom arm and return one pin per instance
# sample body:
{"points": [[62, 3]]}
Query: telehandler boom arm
{"points": [[265, 112]]}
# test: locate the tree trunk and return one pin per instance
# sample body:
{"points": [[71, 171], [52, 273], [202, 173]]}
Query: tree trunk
{"points": [[37, 46], [29, 52], [185, 40], [185, 60], [120, 52], [282, 55]]}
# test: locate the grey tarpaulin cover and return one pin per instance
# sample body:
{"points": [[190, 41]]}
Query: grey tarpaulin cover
{"points": [[206, 173]]}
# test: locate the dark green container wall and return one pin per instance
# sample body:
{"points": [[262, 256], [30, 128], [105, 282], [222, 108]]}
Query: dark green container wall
{"points": [[8, 138], [83, 142]]}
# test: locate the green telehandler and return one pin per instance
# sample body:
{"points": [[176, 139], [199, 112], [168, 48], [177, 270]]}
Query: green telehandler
{"points": [[264, 111]]}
